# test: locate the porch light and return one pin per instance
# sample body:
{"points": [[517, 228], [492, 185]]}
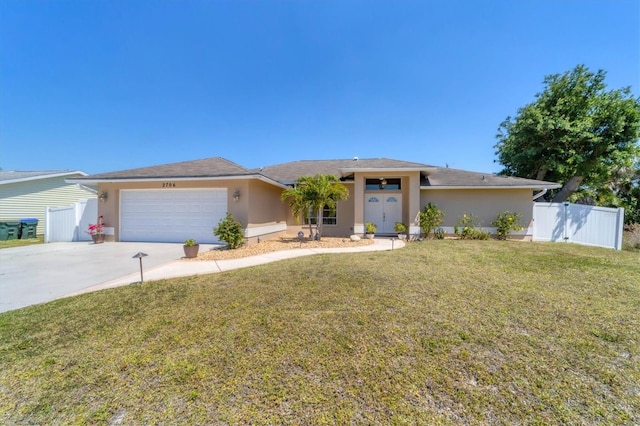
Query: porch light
{"points": [[103, 196], [236, 195]]}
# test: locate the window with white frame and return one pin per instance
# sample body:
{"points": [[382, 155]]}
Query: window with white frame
{"points": [[328, 217]]}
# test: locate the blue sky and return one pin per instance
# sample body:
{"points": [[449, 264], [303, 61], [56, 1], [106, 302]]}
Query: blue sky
{"points": [[101, 86]]}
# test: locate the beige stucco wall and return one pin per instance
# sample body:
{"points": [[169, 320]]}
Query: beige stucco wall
{"points": [[343, 228], [410, 191], [483, 203], [263, 214], [258, 204], [264, 204]]}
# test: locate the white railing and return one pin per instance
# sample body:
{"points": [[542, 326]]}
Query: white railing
{"points": [[580, 224]]}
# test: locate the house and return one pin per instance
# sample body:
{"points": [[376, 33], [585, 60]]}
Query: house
{"points": [[27, 194], [173, 202]]}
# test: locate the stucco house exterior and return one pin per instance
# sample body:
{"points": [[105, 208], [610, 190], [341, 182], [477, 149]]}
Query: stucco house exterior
{"points": [[173, 202], [27, 194]]}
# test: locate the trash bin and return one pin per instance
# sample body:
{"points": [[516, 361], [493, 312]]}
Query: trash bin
{"points": [[9, 231], [28, 227]]}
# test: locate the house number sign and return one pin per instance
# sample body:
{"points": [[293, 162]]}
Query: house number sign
{"points": [[168, 184]]}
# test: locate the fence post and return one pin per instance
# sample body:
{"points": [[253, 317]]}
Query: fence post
{"points": [[565, 224], [619, 228], [47, 228]]}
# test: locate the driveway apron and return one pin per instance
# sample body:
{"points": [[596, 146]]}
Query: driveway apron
{"points": [[39, 273]]}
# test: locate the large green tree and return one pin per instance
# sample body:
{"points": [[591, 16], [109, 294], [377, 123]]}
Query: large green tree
{"points": [[575, 132], [311, 194], [622, 191]]}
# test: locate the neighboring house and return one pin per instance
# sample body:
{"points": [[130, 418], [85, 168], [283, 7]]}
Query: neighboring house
{"points": [[173, 202], [28, 194]]}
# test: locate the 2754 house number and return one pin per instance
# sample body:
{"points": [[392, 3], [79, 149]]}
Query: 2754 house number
{"points": [[168, 184]]}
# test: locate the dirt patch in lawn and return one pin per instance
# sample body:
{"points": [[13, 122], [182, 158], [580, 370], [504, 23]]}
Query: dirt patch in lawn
{"points": [[283, 243]]}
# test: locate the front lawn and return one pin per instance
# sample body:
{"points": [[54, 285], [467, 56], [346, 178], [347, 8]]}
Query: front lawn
{"points": [[440, 332]]}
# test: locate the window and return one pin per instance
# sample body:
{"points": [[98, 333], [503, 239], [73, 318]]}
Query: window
{"points": [[328, 217], [383, 184]]}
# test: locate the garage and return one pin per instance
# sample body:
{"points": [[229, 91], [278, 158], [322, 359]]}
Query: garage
{"points": [[171, 215]]}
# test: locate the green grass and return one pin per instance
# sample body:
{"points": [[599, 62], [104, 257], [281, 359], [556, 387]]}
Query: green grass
{"points": [[20, 242], [440, 332]]}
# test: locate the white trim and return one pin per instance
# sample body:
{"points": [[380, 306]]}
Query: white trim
{"points": [[433, 188], [264, 229], [178, 179], [387, 170]]}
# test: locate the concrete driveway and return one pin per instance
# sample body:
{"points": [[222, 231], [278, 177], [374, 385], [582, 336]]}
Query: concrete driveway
{"points": [[39, 273]]}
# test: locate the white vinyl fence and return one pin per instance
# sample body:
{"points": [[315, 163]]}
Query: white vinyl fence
{"points": [[69, 223], [580, 224]]}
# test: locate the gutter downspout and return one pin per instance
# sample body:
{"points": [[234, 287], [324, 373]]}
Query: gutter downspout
{"points": [[540, 194]]}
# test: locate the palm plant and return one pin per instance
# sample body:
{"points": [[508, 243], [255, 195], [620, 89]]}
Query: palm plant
{"points": [[313, 194]]}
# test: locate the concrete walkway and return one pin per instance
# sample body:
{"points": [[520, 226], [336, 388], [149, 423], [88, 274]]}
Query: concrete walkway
{"points": [[184, 268]]}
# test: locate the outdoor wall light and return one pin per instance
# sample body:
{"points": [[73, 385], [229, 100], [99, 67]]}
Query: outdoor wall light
{"points": [[103, 196], [236, 195], [140, 255]]}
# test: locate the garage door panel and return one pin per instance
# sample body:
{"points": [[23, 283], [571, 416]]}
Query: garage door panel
{"points": [[171, 215]]}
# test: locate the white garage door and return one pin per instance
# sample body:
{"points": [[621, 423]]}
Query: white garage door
{"points": [[171, 215]]}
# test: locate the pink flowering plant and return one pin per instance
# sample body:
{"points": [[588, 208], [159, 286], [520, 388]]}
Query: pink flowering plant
{"points": [[96, 228]]}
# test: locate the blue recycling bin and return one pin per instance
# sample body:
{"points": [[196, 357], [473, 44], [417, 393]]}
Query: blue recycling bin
{"points": [[28, 228]]}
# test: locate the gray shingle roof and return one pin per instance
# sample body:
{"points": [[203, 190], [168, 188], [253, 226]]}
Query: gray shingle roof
{"points": [[446, 177], [8, 176], [290, 172], [208, 167]]}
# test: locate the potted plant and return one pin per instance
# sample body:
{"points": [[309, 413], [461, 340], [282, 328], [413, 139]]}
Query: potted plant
{"points": [[370, 229], [191, 248], [96, 230], [401, 229]]}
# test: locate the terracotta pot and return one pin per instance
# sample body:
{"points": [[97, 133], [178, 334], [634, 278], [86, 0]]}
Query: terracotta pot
{"points": [[191, 251], [97, 238]]}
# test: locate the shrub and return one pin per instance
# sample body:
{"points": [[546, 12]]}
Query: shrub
{"points": [[190, 242], [466, 228], [400, 227], [370, 228], [507, 222], [230, 231], [439, 233], [631, 236], [430, 217]]}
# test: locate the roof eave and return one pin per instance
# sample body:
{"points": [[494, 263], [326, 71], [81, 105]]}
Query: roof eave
{"points": [[386, 169], [532, 187], [180, 179], [40, 177]]}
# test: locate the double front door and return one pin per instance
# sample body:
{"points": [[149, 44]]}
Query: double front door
{"points": [[384, 210]]}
